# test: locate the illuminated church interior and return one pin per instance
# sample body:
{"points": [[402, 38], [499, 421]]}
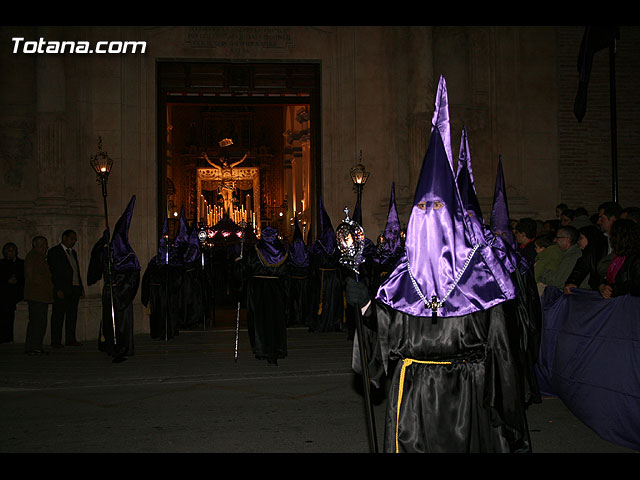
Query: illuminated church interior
{"points": [[248, 163]]}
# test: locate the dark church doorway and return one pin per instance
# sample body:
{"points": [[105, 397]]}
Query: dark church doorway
{"points": [[238, 150]]}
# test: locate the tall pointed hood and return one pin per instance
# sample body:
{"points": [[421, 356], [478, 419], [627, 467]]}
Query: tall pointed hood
{"points": [[440, 261], [501, 247], [186, 243], [500, 211], [123, 258], [182, 236], [167, 252], [392, 245], [326, 241], [298, 249], [357, 213], [467, 189]]}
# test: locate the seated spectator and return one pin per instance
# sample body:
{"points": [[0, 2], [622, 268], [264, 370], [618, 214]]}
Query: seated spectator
{"points": [[525, 233], [566, 217], [608, 213], [512, 223], [580, 218], [632, 213], [567, 240], [560, 208], [623, 274], [548, 255], [594, 246], [551, 226]]}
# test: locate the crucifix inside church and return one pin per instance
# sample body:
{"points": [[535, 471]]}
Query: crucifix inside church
{"points": [[245, 164]]}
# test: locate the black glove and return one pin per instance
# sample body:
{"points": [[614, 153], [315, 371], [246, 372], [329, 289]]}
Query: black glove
{"points": [[356, 293]]}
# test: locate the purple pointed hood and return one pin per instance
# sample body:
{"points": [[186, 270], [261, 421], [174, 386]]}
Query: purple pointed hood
{"points": [[467, 189], [326, 241], [167, 252], [298, 249], [502, 251], [270, 247], [123, 258], [500, 211], [186, 243], [501, 227], [357, 213], [392, 246], [440, 260], [182, 237]]}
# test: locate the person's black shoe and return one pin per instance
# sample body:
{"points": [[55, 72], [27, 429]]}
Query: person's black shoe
{"points": [[118, 359]]}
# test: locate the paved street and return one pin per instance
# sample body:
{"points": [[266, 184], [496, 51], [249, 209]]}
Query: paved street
{"points": [[188, 395]]}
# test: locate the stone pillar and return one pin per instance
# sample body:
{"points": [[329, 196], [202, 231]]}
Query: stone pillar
{"points": [[51, 96]]}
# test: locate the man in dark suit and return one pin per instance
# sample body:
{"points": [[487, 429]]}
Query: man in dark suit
{"points": [[67, 290]]}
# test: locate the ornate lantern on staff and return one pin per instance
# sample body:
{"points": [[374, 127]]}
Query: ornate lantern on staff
{"points": [[101, 164], [350, 238]]}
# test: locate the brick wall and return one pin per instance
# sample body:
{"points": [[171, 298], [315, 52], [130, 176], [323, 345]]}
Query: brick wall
{"points": [[585, 148]]}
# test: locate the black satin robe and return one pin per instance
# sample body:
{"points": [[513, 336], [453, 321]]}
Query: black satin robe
{"points": [[160, 293], [300, 311], [124, 287], [466, 399], [329, 315], [524, 315], [219, 265], [266, 304], [193, 303]]}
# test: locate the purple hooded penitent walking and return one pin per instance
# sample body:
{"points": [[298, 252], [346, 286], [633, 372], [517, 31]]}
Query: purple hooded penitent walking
{"points": [[443, 271], [455, 381]]}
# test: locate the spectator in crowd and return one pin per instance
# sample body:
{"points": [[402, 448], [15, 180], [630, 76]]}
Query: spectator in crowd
{"points": [[551, 226], [560, 208], [608, 213], [623, 274], [38, 292], [566, 217], [11, 289], [632, 213], [580, 218], [525, 233], [567, 240], [548, 255], [512, 223], [67, 281], [594, 246]]}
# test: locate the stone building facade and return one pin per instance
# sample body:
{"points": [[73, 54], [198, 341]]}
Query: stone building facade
{"points": [[511, 87]]}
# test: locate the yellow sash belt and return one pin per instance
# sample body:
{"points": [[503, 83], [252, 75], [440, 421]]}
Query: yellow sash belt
{"points": [[405, 363]]}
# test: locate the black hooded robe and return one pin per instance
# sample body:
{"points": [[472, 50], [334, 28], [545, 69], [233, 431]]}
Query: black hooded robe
{"points": [[266, 305], [124, 286], [300, 296], [193, 303], [328, 291], [160, 293], [455, 382]]}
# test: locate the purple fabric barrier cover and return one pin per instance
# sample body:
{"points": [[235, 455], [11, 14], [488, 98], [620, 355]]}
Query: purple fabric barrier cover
{"points": [[590, 359]]}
